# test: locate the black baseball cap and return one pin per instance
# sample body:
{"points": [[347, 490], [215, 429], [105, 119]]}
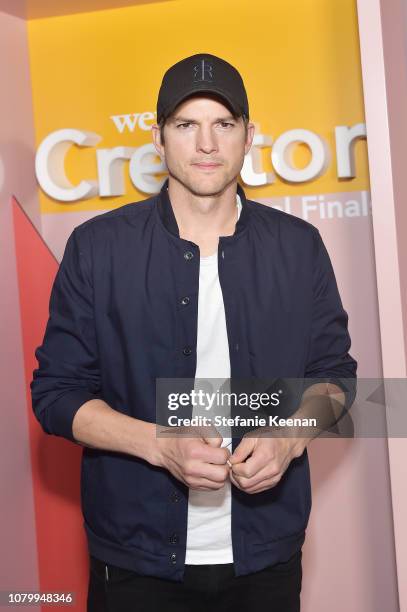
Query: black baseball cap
{"points": [[202, 73]]}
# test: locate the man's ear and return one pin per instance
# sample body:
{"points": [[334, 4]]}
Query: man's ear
{"points": [[251, 128], [157, 140]]}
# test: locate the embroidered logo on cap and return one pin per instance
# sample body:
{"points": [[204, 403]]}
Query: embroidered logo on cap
{"points": [[203, 72]]}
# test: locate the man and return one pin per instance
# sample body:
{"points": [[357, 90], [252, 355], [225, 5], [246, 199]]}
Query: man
{"points": [[196, 283]]}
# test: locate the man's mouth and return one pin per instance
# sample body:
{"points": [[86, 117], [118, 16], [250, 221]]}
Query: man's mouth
{"points": [[207, 165]]}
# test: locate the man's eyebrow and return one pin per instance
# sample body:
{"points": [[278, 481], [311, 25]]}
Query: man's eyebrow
{"points": [[187, 120], [184, 119], [226, 118]]}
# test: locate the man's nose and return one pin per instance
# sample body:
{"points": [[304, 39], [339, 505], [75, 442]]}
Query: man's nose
{"points": [[206, 140]]}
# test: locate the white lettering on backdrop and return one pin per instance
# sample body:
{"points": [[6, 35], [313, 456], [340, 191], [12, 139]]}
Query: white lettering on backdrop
{"points": [[146, 169]]}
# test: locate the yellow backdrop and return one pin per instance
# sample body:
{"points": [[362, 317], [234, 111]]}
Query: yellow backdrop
{"points": [[299, 60]]}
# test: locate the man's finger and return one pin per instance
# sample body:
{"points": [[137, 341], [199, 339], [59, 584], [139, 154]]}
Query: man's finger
{"points": [[211, 435], [255, 476], [210, 454], [234, 481], [268, 483], [243, 450], [251, 466], [214, 473], [205, 484]]}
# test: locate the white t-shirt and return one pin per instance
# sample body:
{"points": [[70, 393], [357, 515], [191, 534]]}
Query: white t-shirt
{"points": [[209, 537]]}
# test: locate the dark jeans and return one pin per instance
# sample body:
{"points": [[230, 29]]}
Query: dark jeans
{"points": [[205, 587]]}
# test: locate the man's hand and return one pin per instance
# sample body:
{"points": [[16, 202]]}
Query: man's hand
{"points": [[196, 460], [259, 461], [263, 455]]}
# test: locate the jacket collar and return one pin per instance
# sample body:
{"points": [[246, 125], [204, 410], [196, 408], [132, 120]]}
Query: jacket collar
{"points": [[166, 212]]}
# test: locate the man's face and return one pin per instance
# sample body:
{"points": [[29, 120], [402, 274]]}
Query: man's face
{"points": [[204, 145]]}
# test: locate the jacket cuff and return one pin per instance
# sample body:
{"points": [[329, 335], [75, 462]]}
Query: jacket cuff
{"points": [[61, 414]]}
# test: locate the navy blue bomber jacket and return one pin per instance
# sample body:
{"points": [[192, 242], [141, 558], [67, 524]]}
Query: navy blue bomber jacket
{"points": [[118, 321]]}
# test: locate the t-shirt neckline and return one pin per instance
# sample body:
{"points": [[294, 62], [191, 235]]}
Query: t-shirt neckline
{"points": [[209, 260]]}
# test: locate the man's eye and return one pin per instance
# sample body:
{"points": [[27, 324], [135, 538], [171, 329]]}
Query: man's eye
{"points": [[223, 124]]}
